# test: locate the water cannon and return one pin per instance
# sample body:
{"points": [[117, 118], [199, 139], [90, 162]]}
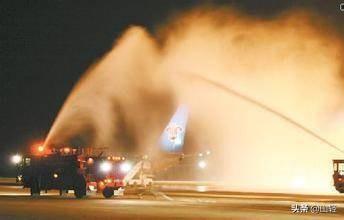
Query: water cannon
{"points": [[38, 149]]}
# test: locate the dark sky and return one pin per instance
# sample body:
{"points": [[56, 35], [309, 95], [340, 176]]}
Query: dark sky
{"points": [[45, 46]]}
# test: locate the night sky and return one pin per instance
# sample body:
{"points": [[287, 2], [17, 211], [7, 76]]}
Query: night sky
{"points": [[45, 46]]}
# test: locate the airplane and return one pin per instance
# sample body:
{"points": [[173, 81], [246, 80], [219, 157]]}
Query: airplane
{"points": [[170, 144], [172, 138]]}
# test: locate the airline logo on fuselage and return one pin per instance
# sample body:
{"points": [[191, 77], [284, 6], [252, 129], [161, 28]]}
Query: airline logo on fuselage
{"points": [[173, 131]]}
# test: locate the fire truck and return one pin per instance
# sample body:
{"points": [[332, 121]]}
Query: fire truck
{"points": [[82, 169], [338, 175], [61, 169], [74, 169]]}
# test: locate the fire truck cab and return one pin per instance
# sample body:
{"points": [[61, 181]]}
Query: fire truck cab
{"points": [[338, 175]]}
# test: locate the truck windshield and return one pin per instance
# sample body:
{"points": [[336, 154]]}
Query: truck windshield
{"points": [[27, 161], [341, 167]]}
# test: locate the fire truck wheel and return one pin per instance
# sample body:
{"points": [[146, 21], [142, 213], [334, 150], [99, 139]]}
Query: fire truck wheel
{"points": [[80, 187], [34, 188], [108, 192]]}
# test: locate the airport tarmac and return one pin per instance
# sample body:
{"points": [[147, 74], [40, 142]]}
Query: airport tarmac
{"points": [[179, 203]]}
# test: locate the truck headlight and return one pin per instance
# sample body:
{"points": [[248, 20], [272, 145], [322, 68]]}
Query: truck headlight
{"points": [[125, 167], [16, 159], [105, 166], [202, 164]]}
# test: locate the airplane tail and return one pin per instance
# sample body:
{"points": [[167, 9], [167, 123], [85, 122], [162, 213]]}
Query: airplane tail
{"points": [[172, 138]]}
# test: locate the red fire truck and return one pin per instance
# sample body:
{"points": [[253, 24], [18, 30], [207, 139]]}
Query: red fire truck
{"points": [[75, 169]]}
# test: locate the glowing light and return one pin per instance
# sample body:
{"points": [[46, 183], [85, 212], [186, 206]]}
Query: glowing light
{"points": [[66, 150], [125, 167], [108, 180], [16, 159], [105, 166], [207, 152], [40, 148], [201, 188], [90, 160], [298, 182], [202, 164], [55, 175], [200, 155]]}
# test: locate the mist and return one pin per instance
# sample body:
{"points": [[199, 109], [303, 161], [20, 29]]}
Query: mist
{"points": [[291, 63]]}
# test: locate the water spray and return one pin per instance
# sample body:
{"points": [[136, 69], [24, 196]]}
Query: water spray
{"points": [[264, 107]]}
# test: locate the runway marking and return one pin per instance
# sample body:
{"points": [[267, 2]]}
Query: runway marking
{"points": [[162, 195], [167, 197]]}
